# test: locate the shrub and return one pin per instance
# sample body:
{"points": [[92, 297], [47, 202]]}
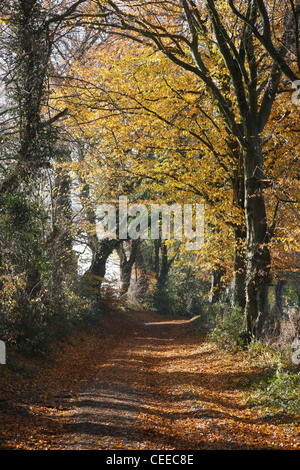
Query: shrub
{"points": [[280, 392], [229, 324], [30, 324]]}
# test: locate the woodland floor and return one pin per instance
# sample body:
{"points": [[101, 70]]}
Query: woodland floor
{"points": [[137, 382]]}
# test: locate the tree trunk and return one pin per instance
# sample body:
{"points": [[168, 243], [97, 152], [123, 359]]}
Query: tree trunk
{"points": [[217, 285], [126, 264], [239, 269], [278, 295], [278, 311], [239, 274], [160, 297], [142, 278], [32, 62], [257, 251], [62, 217], [157, 244], [101, 249], [93, 277], [164, 266]]}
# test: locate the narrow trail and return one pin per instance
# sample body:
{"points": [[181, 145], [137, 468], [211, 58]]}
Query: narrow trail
{"points": [[150, 384], [131, 395], [162, 388]]}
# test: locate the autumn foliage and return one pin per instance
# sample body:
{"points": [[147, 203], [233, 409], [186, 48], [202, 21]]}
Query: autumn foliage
{"points": [[168, 102]]}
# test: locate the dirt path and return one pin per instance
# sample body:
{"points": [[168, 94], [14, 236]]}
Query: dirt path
{"points": [[147, 385], [122, 407], [161, 388]]}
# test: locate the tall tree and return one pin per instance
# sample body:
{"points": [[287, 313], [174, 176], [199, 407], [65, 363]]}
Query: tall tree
{"points": [[159, 129], [30, 29], [195, 37], [32, 241]]}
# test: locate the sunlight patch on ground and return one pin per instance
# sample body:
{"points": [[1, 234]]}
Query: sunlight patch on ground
{"points": [[172, 322]]}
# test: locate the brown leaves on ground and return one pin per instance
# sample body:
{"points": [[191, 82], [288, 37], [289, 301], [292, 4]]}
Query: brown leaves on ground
{"points": [[137, 382]]}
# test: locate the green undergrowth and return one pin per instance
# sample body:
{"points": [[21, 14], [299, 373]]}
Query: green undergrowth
{"points": [[277, 391]]}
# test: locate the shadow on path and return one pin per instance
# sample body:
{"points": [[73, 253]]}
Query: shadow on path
{"points": [[159, 388]]}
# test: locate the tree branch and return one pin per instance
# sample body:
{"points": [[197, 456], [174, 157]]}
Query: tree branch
{"points": [[266, 38]]}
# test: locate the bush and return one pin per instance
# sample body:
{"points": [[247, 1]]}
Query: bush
{"points": [[280, 392], [228, 328], [31, 324], [279, 387], [38, 278]]}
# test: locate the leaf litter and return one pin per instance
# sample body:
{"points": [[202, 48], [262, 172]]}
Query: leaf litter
{"points": [[137, 381]]}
